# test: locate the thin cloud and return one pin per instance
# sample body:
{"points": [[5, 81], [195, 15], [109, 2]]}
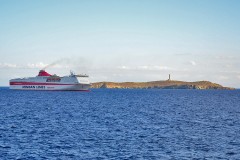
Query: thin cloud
{"points": [[230, 72], [154, 68], [193, 63], [7, 65], [146, 67], [38, 65], [223, 77], [124, 67], [183, 54], [225, 57]]}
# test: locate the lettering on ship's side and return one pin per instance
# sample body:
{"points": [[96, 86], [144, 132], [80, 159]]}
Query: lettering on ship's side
{"points": [[33, 87]]}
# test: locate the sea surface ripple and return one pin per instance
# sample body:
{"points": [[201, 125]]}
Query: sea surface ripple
{"points": [[120, 124]]}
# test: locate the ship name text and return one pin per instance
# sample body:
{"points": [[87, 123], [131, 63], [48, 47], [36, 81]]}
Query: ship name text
{"points": [[34, 87]]}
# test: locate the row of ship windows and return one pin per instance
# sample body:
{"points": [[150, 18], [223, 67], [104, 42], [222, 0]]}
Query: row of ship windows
{"points": [[53, 80]]}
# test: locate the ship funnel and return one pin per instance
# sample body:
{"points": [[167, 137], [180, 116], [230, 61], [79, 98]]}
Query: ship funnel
{"points": [[43, 73]]}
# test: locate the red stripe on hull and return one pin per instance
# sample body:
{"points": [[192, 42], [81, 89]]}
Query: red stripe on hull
{"points": [[51, 90], [35, 83]]}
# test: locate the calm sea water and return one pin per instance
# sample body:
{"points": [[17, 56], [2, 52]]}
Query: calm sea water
{"points": [[120, 124]]}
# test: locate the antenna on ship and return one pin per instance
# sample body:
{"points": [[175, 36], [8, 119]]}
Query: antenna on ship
{"points": [[71, 73]]}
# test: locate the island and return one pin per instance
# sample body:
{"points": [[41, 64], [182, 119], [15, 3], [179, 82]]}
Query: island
{"points": [[167, 84]]}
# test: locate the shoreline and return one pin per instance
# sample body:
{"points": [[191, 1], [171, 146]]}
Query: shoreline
{"points": [[168, 84]]}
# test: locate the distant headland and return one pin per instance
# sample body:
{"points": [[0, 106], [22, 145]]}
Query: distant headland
{"points": [[167, 84]]}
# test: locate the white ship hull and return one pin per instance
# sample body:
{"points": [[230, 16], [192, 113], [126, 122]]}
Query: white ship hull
{"points": [[59, 87], [51, 83]]}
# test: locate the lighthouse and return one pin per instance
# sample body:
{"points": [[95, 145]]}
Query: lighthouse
{"points": [[169, 77]]}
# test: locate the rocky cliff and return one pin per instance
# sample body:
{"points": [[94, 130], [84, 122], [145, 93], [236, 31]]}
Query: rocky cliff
{"points": [[160, 85]]}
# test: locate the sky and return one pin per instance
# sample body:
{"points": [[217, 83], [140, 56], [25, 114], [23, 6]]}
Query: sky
{"points": [[125, 40]]}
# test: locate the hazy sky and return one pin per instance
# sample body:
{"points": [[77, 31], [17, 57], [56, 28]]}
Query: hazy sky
{"points": [[124, 40]]}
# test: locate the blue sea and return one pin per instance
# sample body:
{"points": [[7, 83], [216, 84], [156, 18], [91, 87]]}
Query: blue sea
{"points": [[120, 124]]}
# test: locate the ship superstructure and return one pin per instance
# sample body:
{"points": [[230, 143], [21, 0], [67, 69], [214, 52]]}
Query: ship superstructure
{"points": [[46, 81]]}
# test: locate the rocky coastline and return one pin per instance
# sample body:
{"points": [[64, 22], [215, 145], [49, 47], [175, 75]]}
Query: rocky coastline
{"points": [[168, 84]]}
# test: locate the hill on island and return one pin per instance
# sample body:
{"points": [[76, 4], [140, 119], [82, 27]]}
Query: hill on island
{"points": [[168, 84]]}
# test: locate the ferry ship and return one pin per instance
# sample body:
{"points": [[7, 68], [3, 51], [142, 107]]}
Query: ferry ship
{"points": [[46, 81]]}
